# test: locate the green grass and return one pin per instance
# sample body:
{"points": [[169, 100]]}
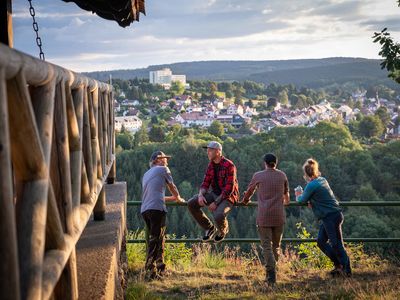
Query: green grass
{"points": [[218, 272]]}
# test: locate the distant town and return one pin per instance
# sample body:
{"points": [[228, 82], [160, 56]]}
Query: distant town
{"points": [[189, 108]]}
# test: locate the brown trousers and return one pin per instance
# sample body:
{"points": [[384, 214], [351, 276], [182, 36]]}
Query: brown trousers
{"points": [[270, 238], [219, 214]]}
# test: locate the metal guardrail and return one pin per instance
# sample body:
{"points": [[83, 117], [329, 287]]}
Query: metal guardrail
{"points": [[344, 204], [284, 240]]}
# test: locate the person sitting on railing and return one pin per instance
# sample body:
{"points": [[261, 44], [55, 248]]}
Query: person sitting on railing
{"points": [[326, 208], [221, 177], [272, 195], [153, 210]]}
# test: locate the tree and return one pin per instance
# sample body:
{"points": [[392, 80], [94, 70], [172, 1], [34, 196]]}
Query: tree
{"points": [[390, 51], [383, 114], [371, 126], [283, 97], [141, 136], [177, 88], [124, 139], [157, 134], [172, 104], [216, 128], [250, 103], [272, 102], [213, 88]]}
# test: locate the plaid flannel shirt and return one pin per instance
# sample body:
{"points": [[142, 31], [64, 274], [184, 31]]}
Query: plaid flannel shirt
{"points": [[226, 178]]}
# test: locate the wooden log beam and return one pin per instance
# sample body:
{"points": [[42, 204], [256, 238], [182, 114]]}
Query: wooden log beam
{"points": [[55, 260], [31, 169], [87, 140], [27, 151], [75, 147], [9, 272], [68, 283]]}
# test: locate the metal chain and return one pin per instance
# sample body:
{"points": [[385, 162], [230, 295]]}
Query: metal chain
{"points": [[36, 29]]}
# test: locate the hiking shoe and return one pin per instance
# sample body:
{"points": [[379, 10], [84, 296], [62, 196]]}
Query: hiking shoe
{"points": [[210, 233], [347, 269], [338, 270], [271, 278], [219, 238]]}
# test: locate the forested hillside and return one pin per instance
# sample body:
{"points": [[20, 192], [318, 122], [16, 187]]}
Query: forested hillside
{"points": [[307, 72]]}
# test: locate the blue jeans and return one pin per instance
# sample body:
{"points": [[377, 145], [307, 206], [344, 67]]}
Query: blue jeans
{"points": [[330, 240]]}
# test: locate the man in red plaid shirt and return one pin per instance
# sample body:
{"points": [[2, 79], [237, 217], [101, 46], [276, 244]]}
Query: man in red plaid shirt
{"points": [[221, 178]]}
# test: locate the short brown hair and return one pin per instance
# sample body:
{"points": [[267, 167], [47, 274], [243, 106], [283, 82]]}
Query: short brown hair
{"points": [[311, 168]]}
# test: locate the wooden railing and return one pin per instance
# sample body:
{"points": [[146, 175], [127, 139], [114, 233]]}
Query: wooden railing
{"points": [[56, 153]]}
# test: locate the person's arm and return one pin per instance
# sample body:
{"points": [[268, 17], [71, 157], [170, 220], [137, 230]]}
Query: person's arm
{"points": [[175, 193], [308, 192], [251, 188], [286, 196], [207, 180], [171, 187], [228, 188]]}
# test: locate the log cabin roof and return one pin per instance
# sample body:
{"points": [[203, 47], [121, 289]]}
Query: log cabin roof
{"points": [[124, 12]]}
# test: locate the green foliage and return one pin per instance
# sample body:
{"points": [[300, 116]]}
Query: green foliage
{"points": [[178, 255], [216, 128], [177, 88], [310, 255], [211, 260], [139, 291], [157, 134], [124, 139], [371, 126], [390, 51]]}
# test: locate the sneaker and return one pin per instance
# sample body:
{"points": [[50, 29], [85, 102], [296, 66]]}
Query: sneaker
{"points": [[347, 269], [219, 237], [338, 270], [210, 233]]}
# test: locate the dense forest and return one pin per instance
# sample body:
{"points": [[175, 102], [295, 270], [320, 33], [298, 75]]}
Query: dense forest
{"points": [[356, 172]]}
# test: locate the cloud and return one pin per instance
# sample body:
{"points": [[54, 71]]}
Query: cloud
{"points": [[181, 30]]}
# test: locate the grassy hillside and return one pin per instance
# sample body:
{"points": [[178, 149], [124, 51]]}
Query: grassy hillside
{"points": [[300, 72], [219, 272]]}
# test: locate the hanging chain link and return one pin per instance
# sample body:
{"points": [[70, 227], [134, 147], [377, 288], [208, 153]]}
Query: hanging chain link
{"points": [[36, 29]]}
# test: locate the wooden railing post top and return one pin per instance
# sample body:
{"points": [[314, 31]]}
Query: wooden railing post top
{"points": [[38, 72]]}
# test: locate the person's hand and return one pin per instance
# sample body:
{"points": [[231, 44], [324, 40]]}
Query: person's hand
{"points": [[202, 201], [213, 206], [245, 202], [179, 199], [297, 193]]}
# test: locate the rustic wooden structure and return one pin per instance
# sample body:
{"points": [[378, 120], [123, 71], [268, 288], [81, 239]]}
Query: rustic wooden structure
{"points": [[56, 152], [124, 12]]}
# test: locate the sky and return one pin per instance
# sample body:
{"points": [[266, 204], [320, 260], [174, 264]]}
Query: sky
{"points": [[198, 30]]}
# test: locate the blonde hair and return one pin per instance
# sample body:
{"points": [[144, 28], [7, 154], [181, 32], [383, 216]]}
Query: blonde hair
{"points": [[311, 168]]}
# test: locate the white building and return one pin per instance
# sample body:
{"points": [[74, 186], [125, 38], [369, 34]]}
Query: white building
{"points": [[194, 118], [234, 109], [165, 77], [130, 123], [347, 113]]}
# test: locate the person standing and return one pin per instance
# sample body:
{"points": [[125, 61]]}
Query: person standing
{"points": [[154, 210], [272, 195], [222, 179], [326, 208]]}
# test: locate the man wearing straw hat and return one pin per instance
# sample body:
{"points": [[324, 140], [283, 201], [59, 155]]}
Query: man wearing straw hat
{"points": [[154, 210]]}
